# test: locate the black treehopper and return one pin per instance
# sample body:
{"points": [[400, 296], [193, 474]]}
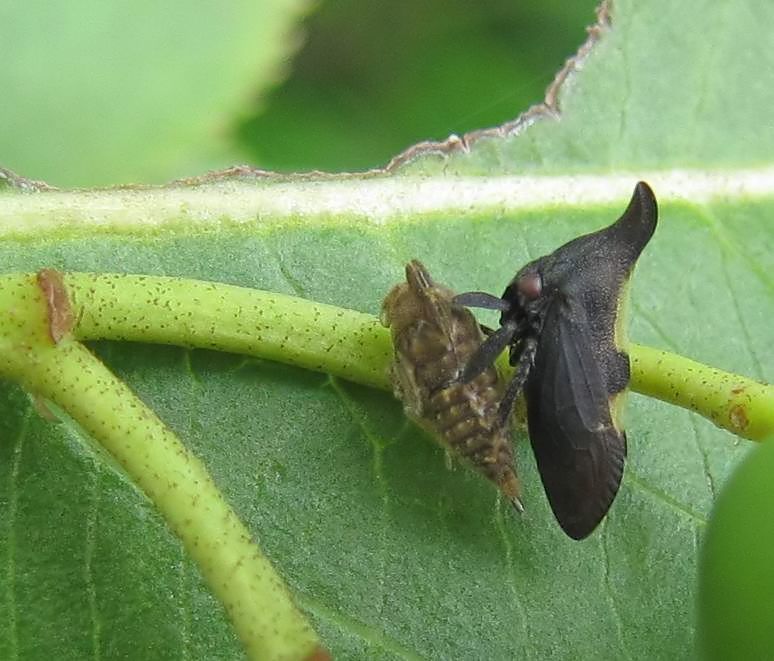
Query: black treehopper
{"points": [[434, 339], [562, 319]]}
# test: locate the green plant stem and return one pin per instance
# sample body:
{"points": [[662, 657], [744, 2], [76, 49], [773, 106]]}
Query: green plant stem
{"points": [[66, 373], [343, 342], [736, 403], [209, 315], [354, 345]]}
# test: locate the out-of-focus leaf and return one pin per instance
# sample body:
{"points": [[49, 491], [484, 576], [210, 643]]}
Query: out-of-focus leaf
{"points": [[737, 571], [104, 92], [373, 78]]}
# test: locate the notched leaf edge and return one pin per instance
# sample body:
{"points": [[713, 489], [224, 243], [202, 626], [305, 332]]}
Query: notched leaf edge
{"points": [[548, 109]]}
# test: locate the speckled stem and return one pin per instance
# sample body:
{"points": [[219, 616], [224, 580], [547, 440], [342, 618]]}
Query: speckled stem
{"points": [[354, 345], [44, 357], [210, 315], [736, 403], [40, 348]]}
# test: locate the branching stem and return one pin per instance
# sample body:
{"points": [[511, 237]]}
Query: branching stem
{"points": [[47, 360], [46, 316]]}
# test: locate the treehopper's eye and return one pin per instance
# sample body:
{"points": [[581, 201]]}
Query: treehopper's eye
{"points": [[530, 286]]}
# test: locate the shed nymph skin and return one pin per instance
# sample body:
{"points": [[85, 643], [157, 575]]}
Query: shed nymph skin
{"points": [[434, 339]]}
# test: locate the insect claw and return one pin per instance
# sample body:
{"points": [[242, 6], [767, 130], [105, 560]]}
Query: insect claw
{"points": [[517, 505]]}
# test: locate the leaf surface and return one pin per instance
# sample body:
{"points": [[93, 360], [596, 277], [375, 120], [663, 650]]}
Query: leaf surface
{"points": [[391, 554]]}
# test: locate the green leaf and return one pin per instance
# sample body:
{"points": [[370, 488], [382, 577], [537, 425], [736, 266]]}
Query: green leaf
{"points": [[141, 91], [737, 577], [468, 65], [391, 554]]}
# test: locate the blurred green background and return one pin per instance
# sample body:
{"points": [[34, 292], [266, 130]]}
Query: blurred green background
{"points": [[737, 572], [98, 93]]}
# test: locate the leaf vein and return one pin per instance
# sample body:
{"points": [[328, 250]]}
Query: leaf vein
{"points": [[691, 417], [662, 334], [748, 342], [730, 245], [184, 607], [704, 459], [189, 368], [292, 282], [712, 52], [88, 557], [512, 579], [366, 632], [608, 589], [706, 214], [13, 506], [377, 446], [632, 479]]}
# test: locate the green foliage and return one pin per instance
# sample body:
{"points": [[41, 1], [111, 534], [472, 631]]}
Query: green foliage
{"points": [[737, 571], [96, 93], [105, 93], [392, 555], [374, 78]]}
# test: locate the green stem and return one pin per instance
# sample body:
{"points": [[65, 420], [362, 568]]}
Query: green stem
{"points": [[209, 315], [354, 345], [66, 373], [191, 313], [736, 403]]}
